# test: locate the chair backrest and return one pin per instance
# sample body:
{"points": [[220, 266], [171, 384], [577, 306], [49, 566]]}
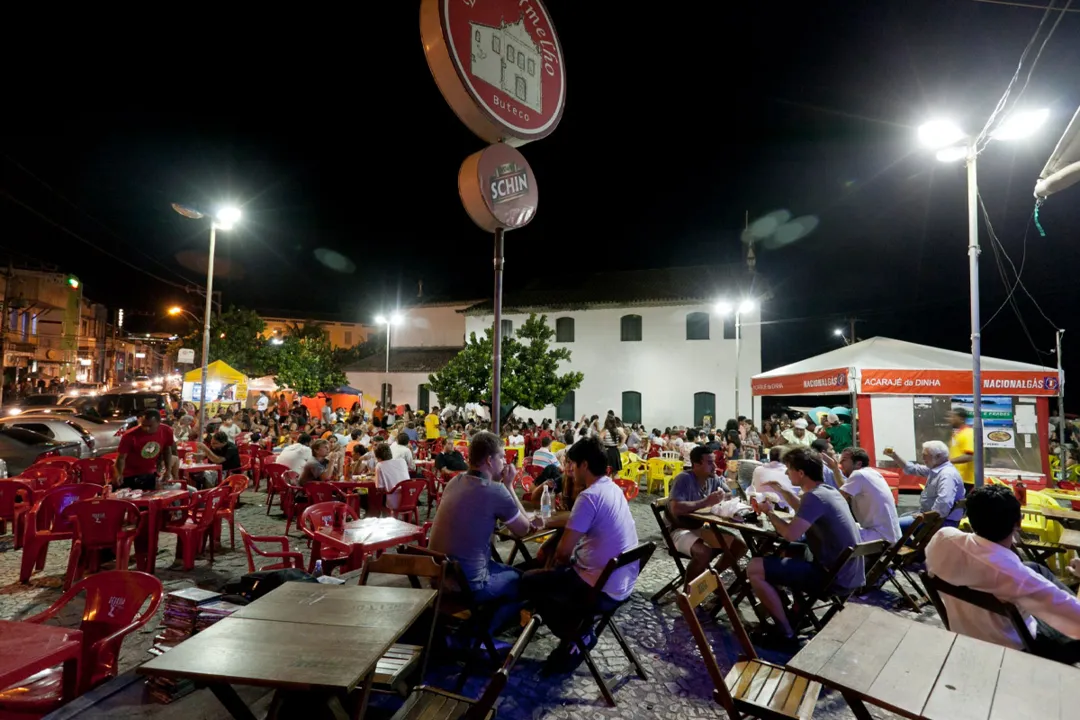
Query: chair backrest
{"points": [[639, 554], [274, 470], [69, 465], [52, 474], [98, 522], [320, 492], [409, 492], [483, 707], [700, 588], [49, 508], [889, 556], [320, 515], [208, 502], [866, 549], [935, 587], [14, 494], [659, 510], [96, 470], [932, 522], [113, 602]]}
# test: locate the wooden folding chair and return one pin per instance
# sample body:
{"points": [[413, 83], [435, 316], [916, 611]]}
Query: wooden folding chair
{"points": [[753, 686], [399, 661], [659, 509], [827, 597], [603, 619], [428, 703], [936, 587], [896, 559]]}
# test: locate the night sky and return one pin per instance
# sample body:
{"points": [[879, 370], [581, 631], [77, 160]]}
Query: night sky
{"points": [[331, 134]]}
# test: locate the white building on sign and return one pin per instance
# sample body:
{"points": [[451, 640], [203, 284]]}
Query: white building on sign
{"points": [[507, 58], [650, 343]]}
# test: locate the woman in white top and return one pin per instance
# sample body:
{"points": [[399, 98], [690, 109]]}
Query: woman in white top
{"points": [[389, 472]]}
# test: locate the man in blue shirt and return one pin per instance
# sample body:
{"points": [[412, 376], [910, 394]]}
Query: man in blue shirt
{"points": [[944, 485], [698, 489]]}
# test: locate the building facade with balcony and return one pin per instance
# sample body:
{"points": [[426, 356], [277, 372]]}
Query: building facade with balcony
{"points": [[342, 335]]}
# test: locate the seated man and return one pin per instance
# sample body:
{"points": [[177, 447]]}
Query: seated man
{"points": [[465, 520], [872, 501], [944, 486], [450, 460], [985, 560], [544, 457], [694, 490], [821, 514], [599, 528], [223, 452]]}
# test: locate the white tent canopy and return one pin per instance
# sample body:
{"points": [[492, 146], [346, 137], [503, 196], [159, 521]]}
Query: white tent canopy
{"points": [[1063, 167], [887, 354]]}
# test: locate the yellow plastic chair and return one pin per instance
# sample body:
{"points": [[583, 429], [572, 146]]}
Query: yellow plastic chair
{"points": [[637, 471], [663, 471], [556, 446]]}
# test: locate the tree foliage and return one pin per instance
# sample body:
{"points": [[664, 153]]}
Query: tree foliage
{"points": [[235, 337], [305, 361], [530, 370]]}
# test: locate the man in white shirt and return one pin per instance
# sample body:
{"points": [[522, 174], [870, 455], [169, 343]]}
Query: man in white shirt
{"points": [[328, 416], [262, 403], [400, 449], [297, 455], [773, 471], [871, 499], [984, 560]]}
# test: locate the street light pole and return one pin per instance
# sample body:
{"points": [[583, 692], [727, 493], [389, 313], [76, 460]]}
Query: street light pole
{"points": [[206, 331], [388, 321], [976, 323], [738, 354]]}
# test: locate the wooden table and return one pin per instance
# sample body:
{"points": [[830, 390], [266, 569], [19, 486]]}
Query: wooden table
{"points": [[371, 534], [919, 671], [300, 638], [28, 648]]}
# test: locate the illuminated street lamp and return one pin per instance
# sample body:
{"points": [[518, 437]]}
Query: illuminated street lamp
{"points": [[393, 319], [725, 308], [953, 144], [177, 310], [225, 219]]}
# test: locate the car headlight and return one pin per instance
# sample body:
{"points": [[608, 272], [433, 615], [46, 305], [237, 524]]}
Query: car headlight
{"points": [[14, 411]]}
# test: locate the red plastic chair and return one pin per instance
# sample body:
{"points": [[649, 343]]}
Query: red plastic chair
{"points": [[198, 518], [274, 473], [288, 558], [111, 612], [47, 523], [16, 499], [408, 492], [50, 475], [70, 464], [100, 524], [314, 494], [96, 470], [527, 483], [630, 488], [531, 469], [237, 484], [511, 456], [316, 517]]}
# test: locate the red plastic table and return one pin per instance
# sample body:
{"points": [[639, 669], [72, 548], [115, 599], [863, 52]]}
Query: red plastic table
{"points": [[154, 503], [361, 537], [28, 648]]}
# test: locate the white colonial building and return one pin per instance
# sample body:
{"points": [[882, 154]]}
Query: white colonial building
{"points": [[508, 58], [651, 344]]}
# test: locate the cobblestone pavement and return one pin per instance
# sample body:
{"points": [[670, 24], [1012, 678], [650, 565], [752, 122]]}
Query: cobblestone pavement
{"points": [[677, 687]]}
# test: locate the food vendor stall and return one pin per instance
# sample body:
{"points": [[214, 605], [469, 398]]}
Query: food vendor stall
{"points": [[224, 386], [903, 393]]}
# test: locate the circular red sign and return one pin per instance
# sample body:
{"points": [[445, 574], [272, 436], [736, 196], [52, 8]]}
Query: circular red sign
{"points": [[499, 65], [498, 188]]}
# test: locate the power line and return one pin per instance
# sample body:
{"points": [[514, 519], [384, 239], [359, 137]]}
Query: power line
{"points": [[107, 229], [1030, 6], [80, 238]]}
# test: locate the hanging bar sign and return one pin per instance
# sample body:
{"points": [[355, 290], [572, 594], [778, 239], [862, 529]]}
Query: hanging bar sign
{"points": [[498, 188]]}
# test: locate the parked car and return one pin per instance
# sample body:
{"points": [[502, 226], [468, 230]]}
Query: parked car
{"points": [[123, 404], [31, 402], [55, 427], [21, 448], [106, 432], [75, 390]]}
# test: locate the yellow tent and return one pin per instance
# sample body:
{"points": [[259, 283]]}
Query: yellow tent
{"points": [[224, 384]]}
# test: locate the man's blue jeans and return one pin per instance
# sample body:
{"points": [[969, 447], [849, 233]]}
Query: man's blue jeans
{"points": [[502, 584]]}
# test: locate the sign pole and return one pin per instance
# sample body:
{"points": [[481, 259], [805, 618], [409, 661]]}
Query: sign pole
{"points": [[496, 337]]}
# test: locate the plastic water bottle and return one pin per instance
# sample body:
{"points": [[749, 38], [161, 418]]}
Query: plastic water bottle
{"points": [[318, 568], [545, 503]]}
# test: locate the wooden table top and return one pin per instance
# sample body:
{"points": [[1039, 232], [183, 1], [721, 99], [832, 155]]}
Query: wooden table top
{"points": [[920, 671], [293, 655], [1069, 539], [28, 648], [764, 527], [372, 531], [340, 605]]}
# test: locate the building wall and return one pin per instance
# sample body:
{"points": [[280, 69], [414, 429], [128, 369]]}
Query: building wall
{"points": [[430, 326], [665, 367], [405, 386], [342, 335]]}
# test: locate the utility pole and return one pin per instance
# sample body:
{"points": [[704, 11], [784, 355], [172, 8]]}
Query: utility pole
{"points": [[3, 327], [1061, 405], [851, 325]]}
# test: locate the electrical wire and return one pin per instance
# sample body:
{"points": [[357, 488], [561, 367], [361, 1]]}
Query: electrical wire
{"points": [[983, 138], [107, 229], [1029, 6], [80, 238], [1016, 284]]}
